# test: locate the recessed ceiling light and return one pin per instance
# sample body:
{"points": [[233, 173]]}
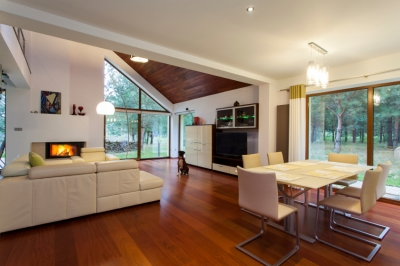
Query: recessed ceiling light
{"points": [[250, 9], [139, 59]]}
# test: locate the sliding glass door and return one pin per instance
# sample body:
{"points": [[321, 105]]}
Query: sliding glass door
{"points": [[363, 121], [386, 130], [338, 124]]}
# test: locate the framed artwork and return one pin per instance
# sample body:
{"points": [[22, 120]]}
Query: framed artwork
{"points": [[50, 102]]}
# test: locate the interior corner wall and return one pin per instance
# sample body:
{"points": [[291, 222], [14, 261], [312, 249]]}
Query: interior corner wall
{"points": [[270, 98], [87, 87]]}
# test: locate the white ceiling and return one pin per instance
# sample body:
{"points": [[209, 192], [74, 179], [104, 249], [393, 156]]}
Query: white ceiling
{"points": [[270, 42]]}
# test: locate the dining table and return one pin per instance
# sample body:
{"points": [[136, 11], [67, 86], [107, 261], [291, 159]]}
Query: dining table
{"points": [[307, 174]]}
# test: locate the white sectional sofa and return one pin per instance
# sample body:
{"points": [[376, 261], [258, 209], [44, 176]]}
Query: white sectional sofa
{"points": [[49, 193]]}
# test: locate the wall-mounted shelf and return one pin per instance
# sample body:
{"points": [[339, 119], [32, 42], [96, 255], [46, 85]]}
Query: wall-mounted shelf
{"points": [[243, 116]]}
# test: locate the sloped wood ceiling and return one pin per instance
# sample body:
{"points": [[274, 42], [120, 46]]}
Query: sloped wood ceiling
{"points": [[179, 84]]}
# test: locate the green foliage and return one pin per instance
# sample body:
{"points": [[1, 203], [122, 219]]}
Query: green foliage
{"points": [[122, 127], [118, 89], [149, 104], [350, 108]]}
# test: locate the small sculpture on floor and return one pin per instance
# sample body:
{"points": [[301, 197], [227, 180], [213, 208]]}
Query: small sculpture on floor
{"points": [[183, 169]]}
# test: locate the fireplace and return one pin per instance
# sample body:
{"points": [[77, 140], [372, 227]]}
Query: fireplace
{"points": [[63, 149]]}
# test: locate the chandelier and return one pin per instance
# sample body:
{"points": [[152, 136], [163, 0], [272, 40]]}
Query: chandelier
{"points": [[317, 73]]}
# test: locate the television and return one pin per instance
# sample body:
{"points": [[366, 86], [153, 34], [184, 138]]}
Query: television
{"points": [[231, 144]]}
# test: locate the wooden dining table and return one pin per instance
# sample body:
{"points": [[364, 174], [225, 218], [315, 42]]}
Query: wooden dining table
{"points": [[308, 174]]}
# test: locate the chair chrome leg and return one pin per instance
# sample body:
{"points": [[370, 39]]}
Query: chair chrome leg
{"points": [[379, 237], [283, 259], [367, 258]]}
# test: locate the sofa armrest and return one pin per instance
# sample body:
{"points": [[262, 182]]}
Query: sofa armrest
{"points": [[110, 157], [47, 171]]}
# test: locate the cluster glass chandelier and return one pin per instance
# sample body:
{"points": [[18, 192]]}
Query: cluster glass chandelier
{"points": [[317, 73]]}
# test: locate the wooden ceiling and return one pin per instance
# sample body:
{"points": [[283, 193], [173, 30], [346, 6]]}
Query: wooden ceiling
{"points": [[179, 84]]}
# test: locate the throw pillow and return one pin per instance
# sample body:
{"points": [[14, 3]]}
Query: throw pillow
{"points": [[35, 159]]}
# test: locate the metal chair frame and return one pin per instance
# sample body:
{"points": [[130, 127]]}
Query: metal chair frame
{"points": [[284, 258], [331, 218]]}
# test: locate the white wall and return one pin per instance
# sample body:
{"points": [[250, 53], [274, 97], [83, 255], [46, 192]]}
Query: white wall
{"points": [[270, 98], [77, 71]]}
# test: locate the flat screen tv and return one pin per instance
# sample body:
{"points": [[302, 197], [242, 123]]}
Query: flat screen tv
{"points": [[231, 144]]}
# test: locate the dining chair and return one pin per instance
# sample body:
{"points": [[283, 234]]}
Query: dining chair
{"points": [[354, 206], [251, 160], [355, 192], [344, 158], [258, 193], [277, 158]]}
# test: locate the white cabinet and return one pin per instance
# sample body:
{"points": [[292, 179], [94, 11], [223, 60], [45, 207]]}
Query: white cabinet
{"points": [[199, 145]]}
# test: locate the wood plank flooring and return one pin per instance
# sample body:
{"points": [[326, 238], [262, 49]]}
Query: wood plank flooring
{"points": [[197, 222]]}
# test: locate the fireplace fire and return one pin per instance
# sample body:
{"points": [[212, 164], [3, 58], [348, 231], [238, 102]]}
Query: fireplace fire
{"points": [[63, 149]]}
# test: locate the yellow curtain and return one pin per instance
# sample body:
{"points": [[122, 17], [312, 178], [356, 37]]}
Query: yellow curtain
{"points": [[297, 91]]}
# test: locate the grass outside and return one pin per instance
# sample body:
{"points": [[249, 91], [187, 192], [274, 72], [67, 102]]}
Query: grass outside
{"points": [[148, 151], [320, 151]]}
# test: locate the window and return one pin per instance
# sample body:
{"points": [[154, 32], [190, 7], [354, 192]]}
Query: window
{"points": [[155, 132], [338, 124], [184, 120], [123, 135], [386, 130], [350, 121]]}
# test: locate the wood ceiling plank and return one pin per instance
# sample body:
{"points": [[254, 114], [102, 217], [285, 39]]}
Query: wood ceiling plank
{"points": [[179, 84]]}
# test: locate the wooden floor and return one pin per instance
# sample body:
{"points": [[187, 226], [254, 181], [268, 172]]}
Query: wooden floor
{"points": [[197, 222]]}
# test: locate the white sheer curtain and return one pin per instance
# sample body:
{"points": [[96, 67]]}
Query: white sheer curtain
{"points": [[297, 123]]}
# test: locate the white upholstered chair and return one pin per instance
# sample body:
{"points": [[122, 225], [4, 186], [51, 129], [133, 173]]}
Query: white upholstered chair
{"points": [[251, 160], [96, 154], [344, 158], [353, 206], [258, 193], [355, 192], [275, 158]]}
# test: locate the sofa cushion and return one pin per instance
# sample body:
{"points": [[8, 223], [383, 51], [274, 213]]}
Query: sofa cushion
{"points": [[16, 169], [116, 165], [149, 181], [35, 159], [47, 171]]}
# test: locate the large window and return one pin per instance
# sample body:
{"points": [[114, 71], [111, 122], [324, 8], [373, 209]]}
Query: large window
{"points": [[338, 123], [361, 121], [123, 135], [386, 130]]}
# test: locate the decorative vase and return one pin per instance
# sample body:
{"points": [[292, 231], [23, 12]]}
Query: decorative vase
{"points": [[236, 103], [73, 109], [80, 108]]}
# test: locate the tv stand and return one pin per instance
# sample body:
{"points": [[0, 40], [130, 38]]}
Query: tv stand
{"points": [[226, 164]]}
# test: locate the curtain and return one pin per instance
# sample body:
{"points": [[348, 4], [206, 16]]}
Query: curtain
{"points": [[297, 123]]}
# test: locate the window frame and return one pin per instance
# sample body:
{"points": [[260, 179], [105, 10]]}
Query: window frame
{"points": [[370, 115], [139, 111]]}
